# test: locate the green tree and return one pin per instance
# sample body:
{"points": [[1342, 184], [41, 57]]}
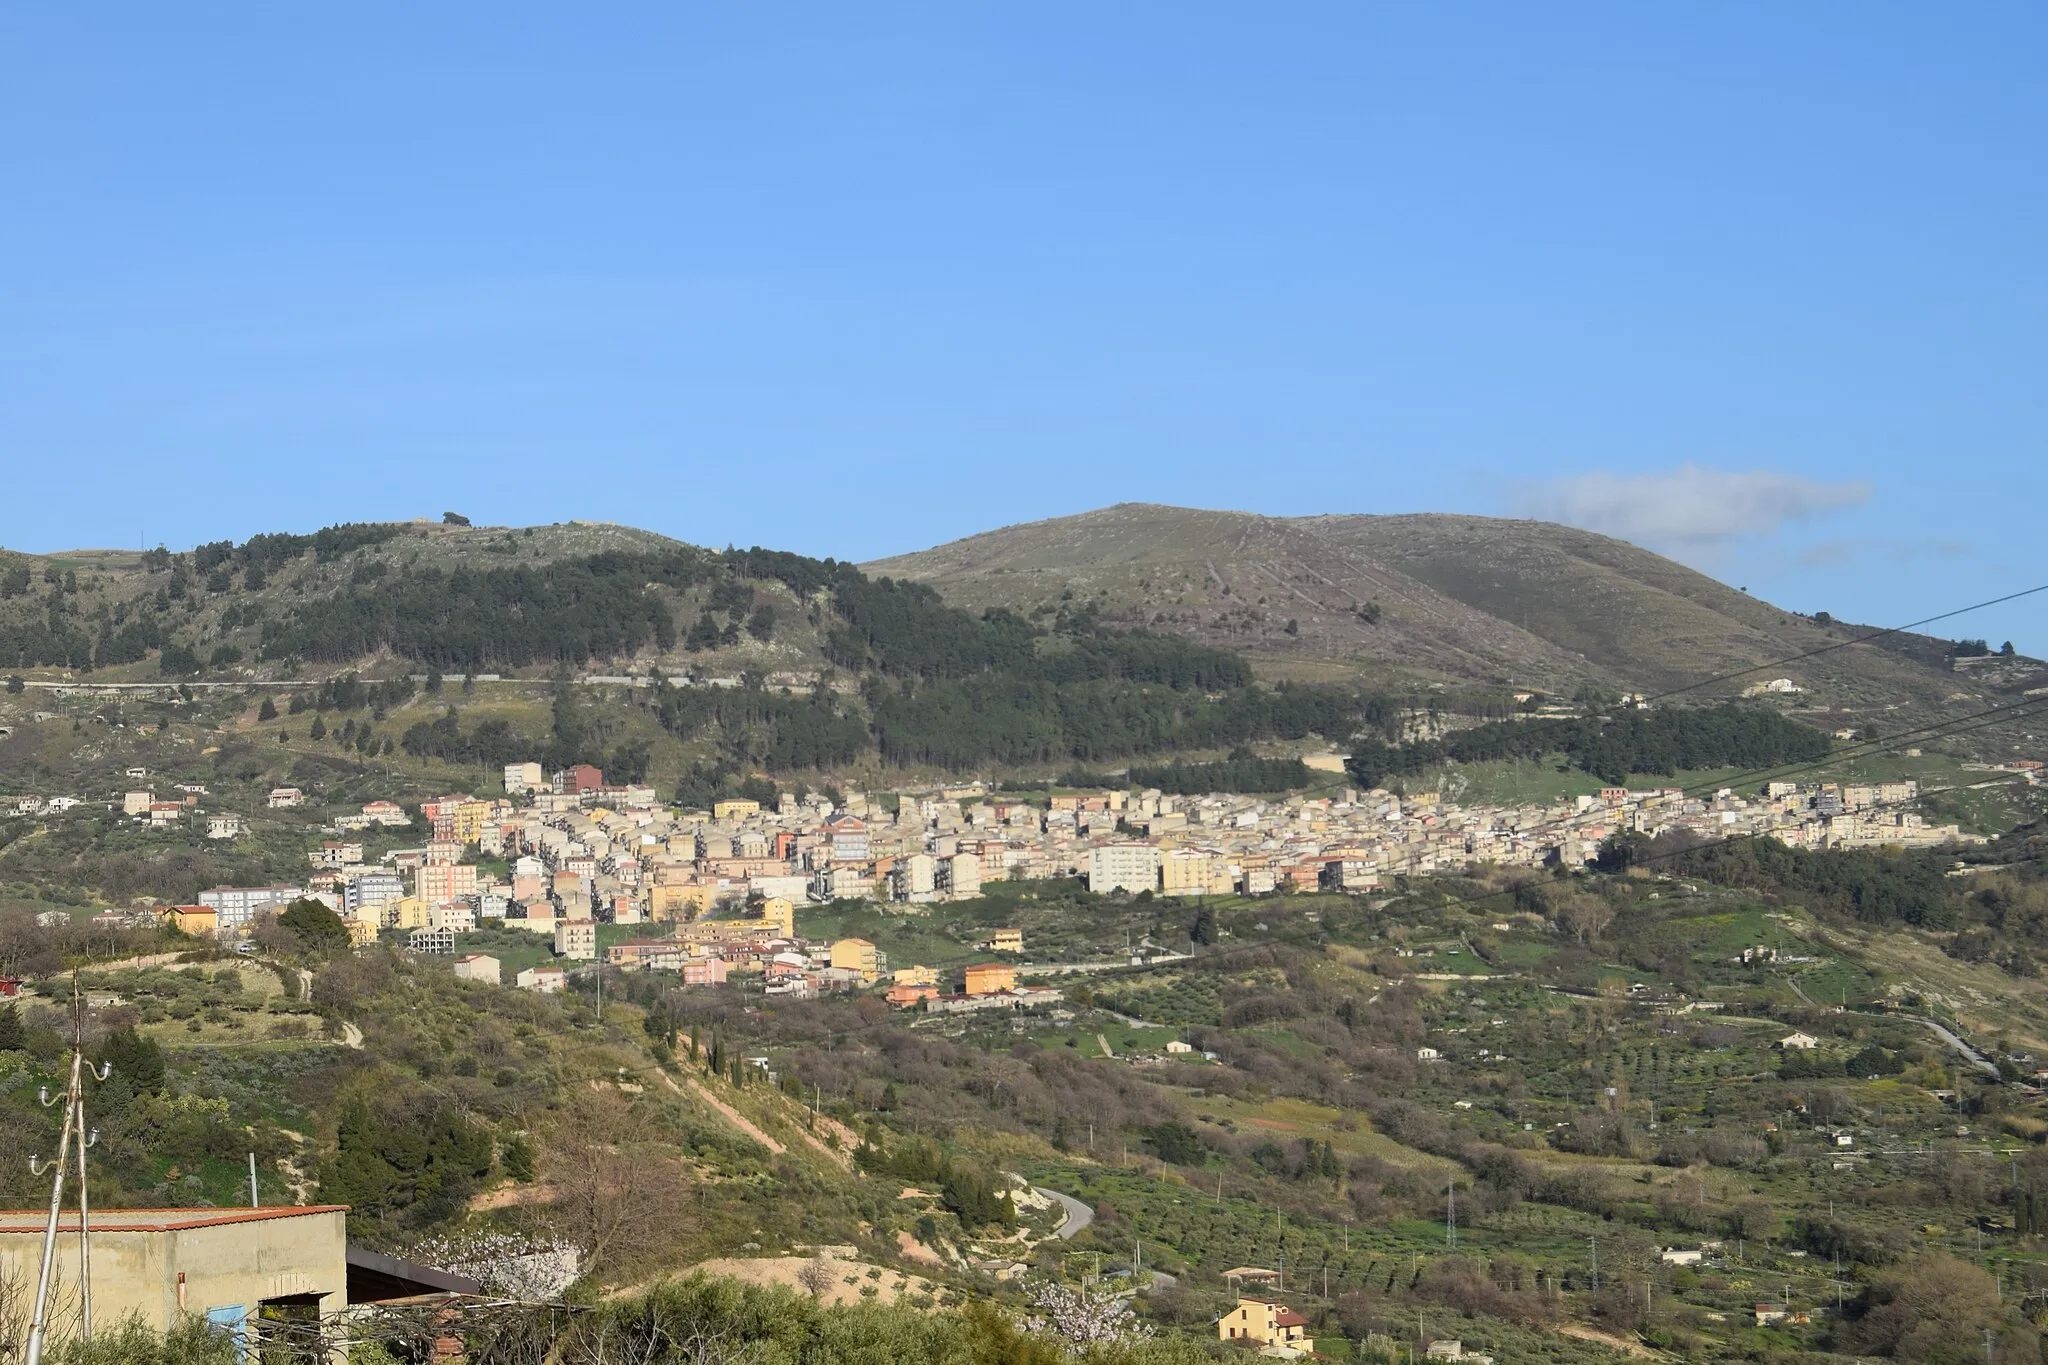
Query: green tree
{"points": [[267, 711], [12, 1039], [319, 928], [136, 1059]]}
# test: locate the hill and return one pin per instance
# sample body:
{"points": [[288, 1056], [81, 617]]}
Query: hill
{"points": [[1443, 598]]}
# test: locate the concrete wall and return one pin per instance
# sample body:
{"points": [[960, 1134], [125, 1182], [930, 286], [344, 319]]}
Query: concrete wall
{"points": [[227, 1264]]}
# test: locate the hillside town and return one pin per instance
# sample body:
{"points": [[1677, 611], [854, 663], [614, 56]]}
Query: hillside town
{"points": [[717, 890]]}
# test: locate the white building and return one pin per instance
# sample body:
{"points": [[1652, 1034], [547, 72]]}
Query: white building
{"points": [[1123, 867], [479, 967], [546, 980]]}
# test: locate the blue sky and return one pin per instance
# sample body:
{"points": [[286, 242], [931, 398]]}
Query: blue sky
{"points": [[1757, 285]]}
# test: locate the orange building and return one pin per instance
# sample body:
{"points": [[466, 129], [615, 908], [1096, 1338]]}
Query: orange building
{"points": [[988, 978]]}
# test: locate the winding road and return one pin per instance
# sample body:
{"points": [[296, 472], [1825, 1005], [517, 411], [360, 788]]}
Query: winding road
{"points": [[1079, 1215]]}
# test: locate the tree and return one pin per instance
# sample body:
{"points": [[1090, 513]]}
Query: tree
{"points": [[2006, 649], [1935, 1309], [319, 730], [454, 519], [318, 927], [267, 711], [816, 1276], [136, 1058], [12, 1038], [15, 684]]}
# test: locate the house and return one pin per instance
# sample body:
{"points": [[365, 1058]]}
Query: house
{"points": [[522, 777], [388, 813], [737, 808], [1804, 1042], [1768, 1313], [987, 978], [137, 803], [479, 967], [546, 980], [1175, 1047], [1006, 941], [285, 798], [189, 919], [908, 995], [234, 1269], [1427, 1054], [1675, 1256], [225, 827], [1266, 1323]]}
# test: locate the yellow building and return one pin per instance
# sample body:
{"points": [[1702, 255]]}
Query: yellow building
{"points": [[859, 955], [915, 976], [1184, 872], [1006, 941], [409, 913], [680, 900], [190, 919], [988, 978], [735, 809], [470, 819], [780, 914], [1266, 1322]]}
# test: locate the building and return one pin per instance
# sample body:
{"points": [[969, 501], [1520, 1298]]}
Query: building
{"points": [[1123, 867], [438, 882], [578, 779], [237, 907], [387, 813], [546, 980], [225, 827], [370, 892], [576, 939], [480, 967], [1267, 1323], [521, 778], [285, 798], [1006, 941], [189, 919], [232, 1268], [849, 838], [1803, 1042], [859, 955], [705, 971], [431, 939], [737, 808], [988, 978]]}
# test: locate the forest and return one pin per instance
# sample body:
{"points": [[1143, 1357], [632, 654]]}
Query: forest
{"points": [[1655, 743]]}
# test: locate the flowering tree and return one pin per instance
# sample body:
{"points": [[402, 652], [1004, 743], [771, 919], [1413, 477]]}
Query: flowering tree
{"points": [[517, 1266], [1081, 1316]]}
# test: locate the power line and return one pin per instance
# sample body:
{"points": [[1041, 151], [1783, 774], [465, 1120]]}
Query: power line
{"points": [[1844, 644]]}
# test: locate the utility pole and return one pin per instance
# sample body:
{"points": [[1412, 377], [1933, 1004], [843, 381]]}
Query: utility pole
{"points": [[74, 1125], [1450, 1215], [1594, 1242], [253, 1202]]}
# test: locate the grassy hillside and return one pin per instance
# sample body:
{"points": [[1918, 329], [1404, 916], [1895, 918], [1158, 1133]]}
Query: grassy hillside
{"points": [[1464, 599]]}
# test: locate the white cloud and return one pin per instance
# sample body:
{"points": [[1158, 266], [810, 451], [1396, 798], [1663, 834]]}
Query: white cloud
{"points": [[1687, 506]]}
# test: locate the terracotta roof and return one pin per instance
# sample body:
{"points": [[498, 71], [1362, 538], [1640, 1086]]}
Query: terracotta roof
{"points": [[155, 1220]]}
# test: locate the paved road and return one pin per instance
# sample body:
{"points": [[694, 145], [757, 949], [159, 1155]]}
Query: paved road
{"points": [[1970, 1054], [1079, 1215]]}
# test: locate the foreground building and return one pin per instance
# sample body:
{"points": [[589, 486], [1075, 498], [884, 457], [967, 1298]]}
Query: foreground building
{"points": [[161, 1266]]}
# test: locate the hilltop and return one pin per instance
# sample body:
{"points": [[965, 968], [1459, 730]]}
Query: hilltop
{"points": [[1440, 599]]}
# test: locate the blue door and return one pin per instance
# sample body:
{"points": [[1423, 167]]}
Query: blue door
{"points": [[234, 1319]]}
